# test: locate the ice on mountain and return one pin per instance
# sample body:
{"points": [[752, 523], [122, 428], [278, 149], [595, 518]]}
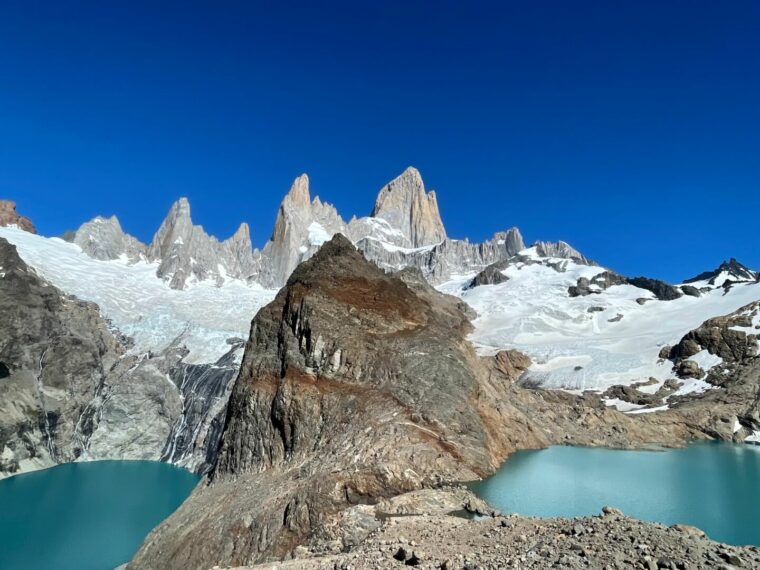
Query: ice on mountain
{"points": [[142, 305]]}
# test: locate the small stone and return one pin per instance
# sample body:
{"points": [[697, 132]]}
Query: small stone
{"points": [[732, 559], [611, 511], [401, 554]]}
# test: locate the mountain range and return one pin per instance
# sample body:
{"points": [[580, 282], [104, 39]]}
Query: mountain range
{"points": [[404, 229], [348, 362]]}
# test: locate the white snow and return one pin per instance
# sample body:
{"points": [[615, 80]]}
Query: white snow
{"points": [[143, 306], [394, 248], [692, 386], [649, 410], [382, 226], [318, 234], [753, 438], [705, 360], [622, 405], [575, 349]]}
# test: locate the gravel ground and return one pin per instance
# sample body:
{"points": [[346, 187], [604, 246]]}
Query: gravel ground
{"points": [[608, 541]]}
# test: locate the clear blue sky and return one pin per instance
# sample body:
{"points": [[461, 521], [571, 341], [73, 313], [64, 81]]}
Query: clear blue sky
{"points": [[630, 129]]}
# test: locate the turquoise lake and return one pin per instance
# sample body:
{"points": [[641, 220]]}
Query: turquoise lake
{"points": [[86, 516], [713, 486]]}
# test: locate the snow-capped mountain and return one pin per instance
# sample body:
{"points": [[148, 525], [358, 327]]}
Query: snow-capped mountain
{"points": [[405, 229], [725, 275], [182, 305], [612, 333]]}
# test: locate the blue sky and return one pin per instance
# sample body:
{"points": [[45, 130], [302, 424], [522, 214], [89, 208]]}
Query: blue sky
{"points": [[630, 129]]}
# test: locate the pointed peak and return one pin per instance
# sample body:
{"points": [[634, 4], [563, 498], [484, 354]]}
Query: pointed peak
{"points": [[243, 232], [411, 172], [731, 269], [110, 220], [409, 180], [181, 206], [404, 204], [298, 195]]}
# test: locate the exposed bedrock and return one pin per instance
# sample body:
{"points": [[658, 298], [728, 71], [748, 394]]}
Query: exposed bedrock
{"points": [[71, 391], [358, 386]]}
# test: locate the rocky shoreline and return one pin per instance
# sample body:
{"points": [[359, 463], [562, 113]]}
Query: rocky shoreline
{"points": [[610, 540]]}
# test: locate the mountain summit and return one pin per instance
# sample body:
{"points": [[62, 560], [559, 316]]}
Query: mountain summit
{"points": [[405, 205], [404, 230]]}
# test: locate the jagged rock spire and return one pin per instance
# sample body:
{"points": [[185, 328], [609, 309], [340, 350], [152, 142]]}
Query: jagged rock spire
{"points": [[405, 205], [301, 227], [186, 251]]}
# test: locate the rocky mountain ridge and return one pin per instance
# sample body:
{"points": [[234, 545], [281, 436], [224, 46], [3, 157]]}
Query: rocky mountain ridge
{"points": [[404, 229], [358, 386]]}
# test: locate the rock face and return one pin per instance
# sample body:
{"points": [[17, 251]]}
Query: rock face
{"points": [[404, 230], [301, 227], [10, 217], [661, 290], [103, 238], [186, 252], [342, 341], [71, 391], [405, 205], [440, 262], [489, 276], [55, 350], [560, 249]]}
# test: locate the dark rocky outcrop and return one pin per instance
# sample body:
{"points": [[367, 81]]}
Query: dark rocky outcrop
{"points": [[607, 279], [663, 291], [491, 275], [596, 284], [691, 291]]}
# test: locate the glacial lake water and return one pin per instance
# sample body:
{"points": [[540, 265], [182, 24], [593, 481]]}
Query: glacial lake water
{"points": [[85, 516], [714, 486]]}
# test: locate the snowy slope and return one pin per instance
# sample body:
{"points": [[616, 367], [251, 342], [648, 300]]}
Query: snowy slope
{"points": [[588, 342], [143, 306]]}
